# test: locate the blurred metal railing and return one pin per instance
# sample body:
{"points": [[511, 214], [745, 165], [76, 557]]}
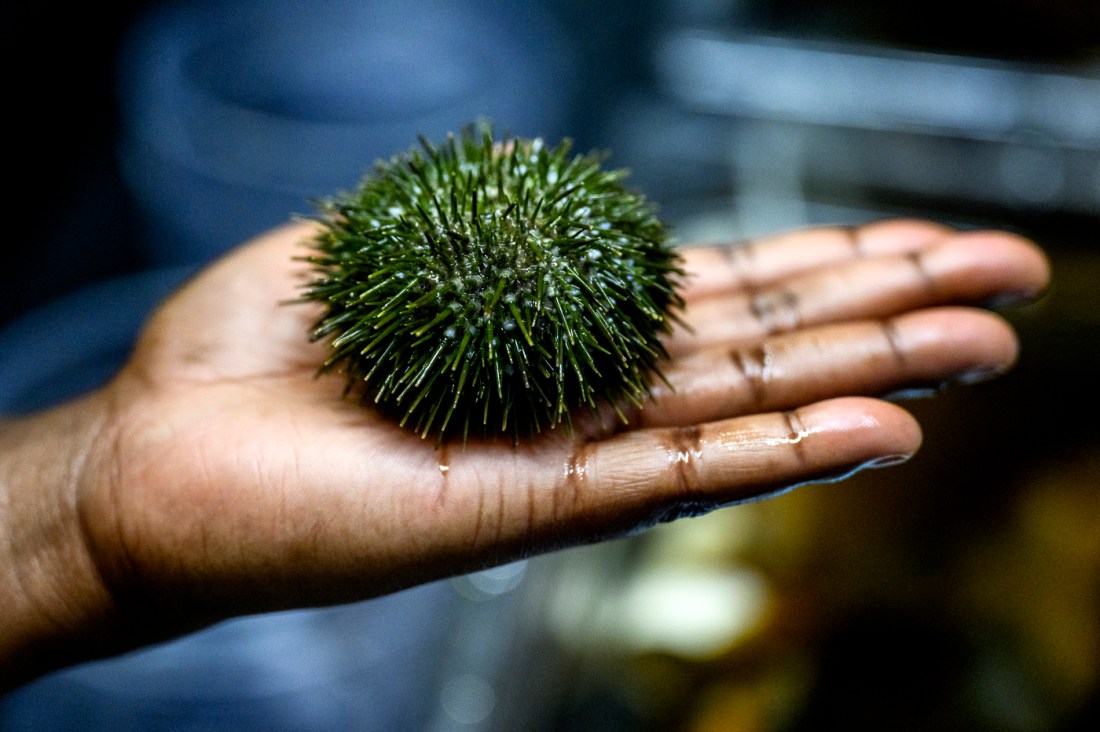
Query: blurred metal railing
{"points": [[880, 89], [784, 123]]}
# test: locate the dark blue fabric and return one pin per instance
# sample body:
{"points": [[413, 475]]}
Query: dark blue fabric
{"points": [[76, 343]]}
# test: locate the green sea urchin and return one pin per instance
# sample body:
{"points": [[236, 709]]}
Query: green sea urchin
{"points": [[484, 286]]}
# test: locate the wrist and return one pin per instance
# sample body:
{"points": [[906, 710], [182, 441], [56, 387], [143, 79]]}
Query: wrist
{"points": [[54, 597]]}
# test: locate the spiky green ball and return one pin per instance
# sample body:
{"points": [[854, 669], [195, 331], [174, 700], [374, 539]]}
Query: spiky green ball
{"points": [[484, 286]]}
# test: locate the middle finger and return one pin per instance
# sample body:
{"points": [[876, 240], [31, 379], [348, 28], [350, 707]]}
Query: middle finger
{"points": [[869, 358], [966, 268]]}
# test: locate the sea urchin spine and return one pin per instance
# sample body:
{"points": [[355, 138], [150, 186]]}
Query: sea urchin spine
{"points": [[484, 286]]}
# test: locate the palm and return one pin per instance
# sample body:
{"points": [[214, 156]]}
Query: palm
{"points": [[243, 483]]}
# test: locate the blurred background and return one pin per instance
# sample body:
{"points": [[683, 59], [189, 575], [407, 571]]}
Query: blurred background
{"points": [[960, 591]]}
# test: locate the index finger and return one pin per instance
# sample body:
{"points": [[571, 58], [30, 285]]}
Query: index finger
{"points": [[722, 269]]}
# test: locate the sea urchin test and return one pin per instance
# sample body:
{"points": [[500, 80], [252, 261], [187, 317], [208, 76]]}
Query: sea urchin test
{"points": [[480, 286]]}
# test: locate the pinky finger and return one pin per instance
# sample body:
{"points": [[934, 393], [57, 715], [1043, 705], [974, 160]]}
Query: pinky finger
{"points": [[648, 476]]}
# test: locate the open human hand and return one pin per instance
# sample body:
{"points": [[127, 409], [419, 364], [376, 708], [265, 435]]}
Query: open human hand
{"points": [[217, 475]]}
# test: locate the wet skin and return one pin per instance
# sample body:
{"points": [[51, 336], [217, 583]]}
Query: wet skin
{"points": [[217, 476]]}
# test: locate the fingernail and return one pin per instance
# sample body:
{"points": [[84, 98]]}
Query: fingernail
{"points": [[1010, 299], [885, 461], [698, 509], [913, 392], [977, 375]]}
